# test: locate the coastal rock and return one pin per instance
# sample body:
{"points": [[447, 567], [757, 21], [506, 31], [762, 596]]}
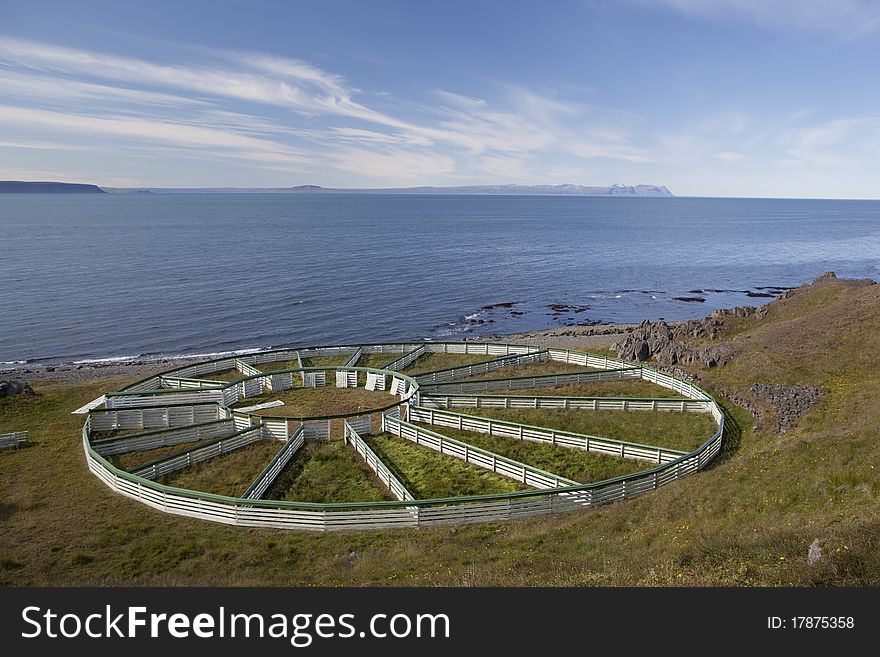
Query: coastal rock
{"points": [[669, 346], [16, 387]]}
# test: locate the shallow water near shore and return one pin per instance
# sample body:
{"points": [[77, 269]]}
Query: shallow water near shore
{"points": [[103, 276]]}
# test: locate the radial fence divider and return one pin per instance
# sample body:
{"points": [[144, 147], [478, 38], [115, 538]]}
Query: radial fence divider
{"points": [[13, 440], [349, 379], [672, 404], [504, 428], [199, 453], [483, 367], [267, 477], [355, 357], [188, 433], [397, 488], [405, 360], [532, 381], [85, 408], [502, 465]]}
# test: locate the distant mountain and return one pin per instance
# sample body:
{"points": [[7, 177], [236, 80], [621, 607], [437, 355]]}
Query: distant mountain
{"points": [[518, 190], [19, 187]]}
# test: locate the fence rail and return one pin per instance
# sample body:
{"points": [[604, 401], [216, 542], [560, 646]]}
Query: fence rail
{"points": [[194, 455], [266, 478], [484, 367], [155, 417], [507, 467], [493, 427], [534, 381], [140, 442], [13, 440], [684, 405], [406, 360], [376, 464]]}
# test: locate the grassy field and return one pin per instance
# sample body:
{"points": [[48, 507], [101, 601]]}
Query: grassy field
{"points": [[327, 472], [438, 361], [674, 430], [631, 388], [747, 520], [225, 375], [132, 460], [428, 474], [530, 369], [228, 474], [324, 361], [329, 400], [377, 360], [571, 463]]}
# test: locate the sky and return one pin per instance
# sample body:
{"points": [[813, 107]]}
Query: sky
{"points": [[760, 98]]}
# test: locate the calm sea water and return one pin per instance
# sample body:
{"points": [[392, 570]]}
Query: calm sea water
{"points": [[88, 277]]}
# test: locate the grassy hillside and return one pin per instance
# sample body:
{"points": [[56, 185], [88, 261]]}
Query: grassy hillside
{"points": [[748, 520]]}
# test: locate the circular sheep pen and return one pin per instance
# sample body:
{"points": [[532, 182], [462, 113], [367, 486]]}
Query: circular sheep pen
{"points": [[208, 408]]}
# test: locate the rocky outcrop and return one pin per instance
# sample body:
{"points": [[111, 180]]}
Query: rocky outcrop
{"points": [[668, 346], [791, 402], [16, 387]]}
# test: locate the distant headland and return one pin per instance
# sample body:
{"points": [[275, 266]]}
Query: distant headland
{"points": [[474, 190], [21, 187]]}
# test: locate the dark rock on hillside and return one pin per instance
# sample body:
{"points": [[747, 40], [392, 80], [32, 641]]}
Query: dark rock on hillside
{"points": [[669, 346], [791, 402], [16, 387]]}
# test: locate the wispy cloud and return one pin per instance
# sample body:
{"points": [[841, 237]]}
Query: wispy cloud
{"points": [[847, 18], [263, 108]]}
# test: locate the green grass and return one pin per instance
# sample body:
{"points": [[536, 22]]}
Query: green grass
{"points": [[429, 474], [748, 520], [329, 400], [325, 361], [530, 369], [131, 460], [377, 360], [228, 474], [628, 388], [670, 429], [439, 361], [225, 375], [327, 472], [575, 464]]}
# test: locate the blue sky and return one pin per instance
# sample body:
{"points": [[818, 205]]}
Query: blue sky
{"points": [[709, 97]]}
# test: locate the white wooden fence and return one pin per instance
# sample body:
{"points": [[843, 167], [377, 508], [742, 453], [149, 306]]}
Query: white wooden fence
{"points": [[375, 381], [145, 413], [355, 357], [316, 430], [193, 455], [406, 360], [13, 440], [155, 417], [265, 479], [163, 398], [493, 427], [560, 402], [164, 437], [350, 436], [507, 467], [475, 369], [535, 381]]}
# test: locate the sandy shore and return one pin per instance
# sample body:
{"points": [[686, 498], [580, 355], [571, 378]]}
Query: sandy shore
{"points": [[596, 338]]}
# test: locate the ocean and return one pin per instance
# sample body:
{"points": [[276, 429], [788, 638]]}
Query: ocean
{"points": [[88, 277]]}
